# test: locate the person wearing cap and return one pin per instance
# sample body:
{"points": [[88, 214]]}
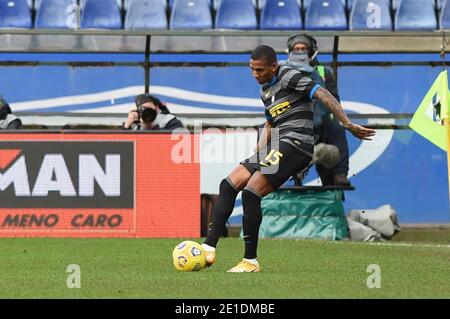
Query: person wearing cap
{"points": [[303, 50], [7, 119], [150, 114]]}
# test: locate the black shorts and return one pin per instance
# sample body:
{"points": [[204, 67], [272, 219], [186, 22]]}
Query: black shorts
{"points": [[278, 164]]}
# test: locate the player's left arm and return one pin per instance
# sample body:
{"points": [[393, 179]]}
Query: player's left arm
{"points": [[333, 105]]}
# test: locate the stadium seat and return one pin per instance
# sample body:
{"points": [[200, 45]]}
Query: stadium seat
{"points": [[261, 3], [15, 14], [146, 14], [191, 14], [216, 3], [416, 15], [172, 2], [444, 17], [54, 14], [437, 3], [281, 15], [306, 3], [128, 2], [236, 14], [325, 15], [119, 3], [100, 14], [370, 15]]}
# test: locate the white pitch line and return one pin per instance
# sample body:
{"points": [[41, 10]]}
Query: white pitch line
{"points": [[395, 244]]}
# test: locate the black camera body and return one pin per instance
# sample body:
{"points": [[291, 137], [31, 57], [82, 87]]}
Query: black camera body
{"points": [[147, 115], [5, 109]]}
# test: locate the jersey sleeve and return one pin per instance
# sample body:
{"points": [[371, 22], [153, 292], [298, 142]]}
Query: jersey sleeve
{"points": [[269, 118], [295, 80]]}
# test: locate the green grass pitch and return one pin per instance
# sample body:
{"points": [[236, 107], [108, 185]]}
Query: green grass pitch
{"points": [[142, 268]]}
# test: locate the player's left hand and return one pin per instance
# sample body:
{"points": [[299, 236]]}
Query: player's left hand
{"points": [[361, 132]]}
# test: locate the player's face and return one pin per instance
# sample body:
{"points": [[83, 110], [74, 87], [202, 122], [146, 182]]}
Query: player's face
{"points": [[262, 71]]}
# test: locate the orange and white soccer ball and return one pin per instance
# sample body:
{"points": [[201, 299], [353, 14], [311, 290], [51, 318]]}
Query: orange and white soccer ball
{"points": [[189, 256]]}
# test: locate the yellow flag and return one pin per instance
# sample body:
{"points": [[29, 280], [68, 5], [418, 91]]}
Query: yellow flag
{"points": [[428, 120]]}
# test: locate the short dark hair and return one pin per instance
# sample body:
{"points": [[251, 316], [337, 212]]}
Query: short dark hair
{"points": [[145, 98], [264, 52]]}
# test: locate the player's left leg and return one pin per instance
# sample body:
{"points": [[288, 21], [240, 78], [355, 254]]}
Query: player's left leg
{"points": [[257, 187]]}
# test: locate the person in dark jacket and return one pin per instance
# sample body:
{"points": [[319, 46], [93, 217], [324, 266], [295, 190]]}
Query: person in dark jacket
{"points": [[7, 119], [151, 114], [303, 50]]}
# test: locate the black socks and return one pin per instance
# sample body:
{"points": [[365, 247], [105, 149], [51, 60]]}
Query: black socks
{"points": [[222, 211], [251, 221]]}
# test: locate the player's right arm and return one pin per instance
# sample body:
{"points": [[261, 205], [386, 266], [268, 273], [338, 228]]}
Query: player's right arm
{"points": [[333, 105]]}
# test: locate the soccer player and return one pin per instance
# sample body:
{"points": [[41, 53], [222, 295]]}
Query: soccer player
{"points": [[285, 147]]}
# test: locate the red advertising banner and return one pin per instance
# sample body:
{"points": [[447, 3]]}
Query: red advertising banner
{"points": [[99, 185]]}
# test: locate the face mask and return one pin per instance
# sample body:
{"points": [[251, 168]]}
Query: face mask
{"points": [[299, 57]]}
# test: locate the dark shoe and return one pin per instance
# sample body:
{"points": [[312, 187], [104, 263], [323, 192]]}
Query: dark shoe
{"points": [[341, 180]]}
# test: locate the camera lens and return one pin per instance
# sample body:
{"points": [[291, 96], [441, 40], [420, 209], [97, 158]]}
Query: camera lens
{"points": [[147, 115]]}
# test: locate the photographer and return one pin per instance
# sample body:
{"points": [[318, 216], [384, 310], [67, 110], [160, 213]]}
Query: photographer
{"points": [[150, 114], [7, 119]]}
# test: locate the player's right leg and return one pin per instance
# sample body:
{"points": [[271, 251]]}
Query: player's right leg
{"points": [[228, 190]]}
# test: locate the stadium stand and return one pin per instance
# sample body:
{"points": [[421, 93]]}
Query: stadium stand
{"points": [[15, 14], [416, 15], [101, 14], [370, 15], [191, 14], [236, 14], [325, 15], [444, 18], [53, 14], [281, 15], [146, 14], [420, 15]]}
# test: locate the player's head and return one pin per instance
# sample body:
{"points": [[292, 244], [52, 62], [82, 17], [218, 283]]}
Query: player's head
{"points": [[303, 43], [263, 63]]}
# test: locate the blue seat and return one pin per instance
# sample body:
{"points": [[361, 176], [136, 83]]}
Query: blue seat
{"points": [[281, 15], [83, 3], [101, 14], [306, 3], [55, 14], [15, 14], [326, 15], [444, 17], [146, 14], [127, 3], [216, 3], [191, 15], [172, 2], [416, 15], [236, 14], [370, 15]]}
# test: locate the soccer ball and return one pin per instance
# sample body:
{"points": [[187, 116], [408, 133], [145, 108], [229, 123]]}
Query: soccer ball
{"points": [[189, 256]]}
